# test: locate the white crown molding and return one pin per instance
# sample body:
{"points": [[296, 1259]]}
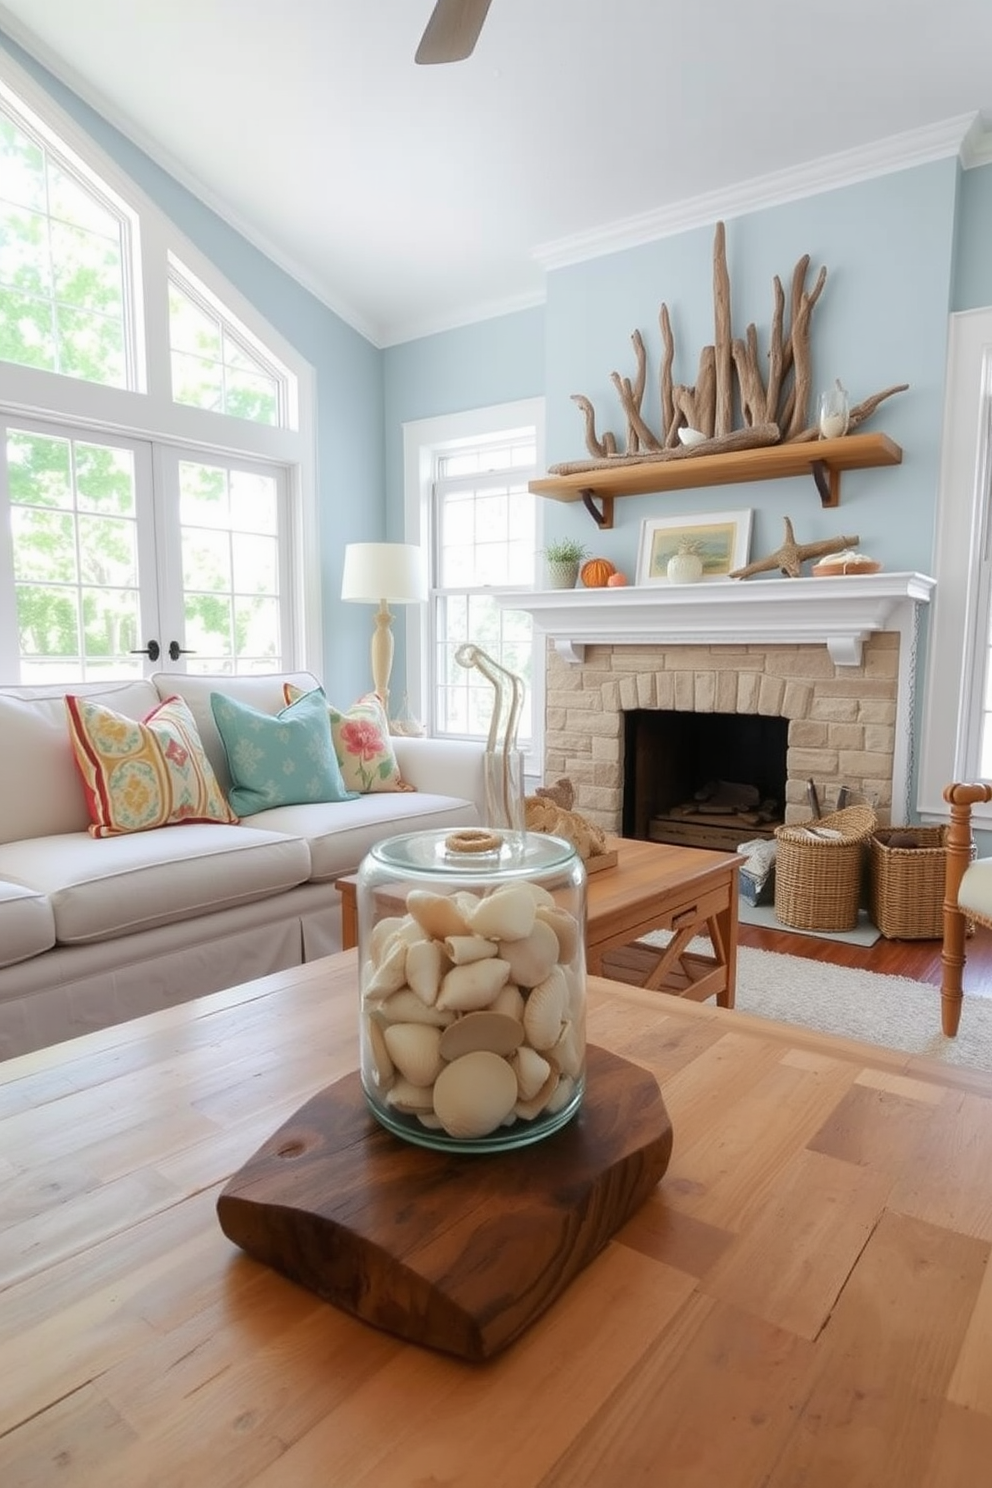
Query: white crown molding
{"points": [[898, 152], [976, 147], [71, 79]]}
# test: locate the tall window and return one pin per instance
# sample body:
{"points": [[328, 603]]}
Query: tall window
{"points": [[156, 478], [466, 479], [957, 733]]}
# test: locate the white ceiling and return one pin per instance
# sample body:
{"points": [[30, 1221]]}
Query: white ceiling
{"points": [[411, 199]]}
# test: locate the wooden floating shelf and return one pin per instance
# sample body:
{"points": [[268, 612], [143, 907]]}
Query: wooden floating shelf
{"points": [[823, 459]]}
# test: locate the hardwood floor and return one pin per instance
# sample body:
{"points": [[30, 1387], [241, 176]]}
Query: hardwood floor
{"points": [[918, 959]]}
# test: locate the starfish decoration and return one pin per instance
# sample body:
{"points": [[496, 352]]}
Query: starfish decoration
{"points": [[792, 555]]}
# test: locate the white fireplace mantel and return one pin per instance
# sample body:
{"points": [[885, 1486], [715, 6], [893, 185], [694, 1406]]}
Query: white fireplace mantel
{"points": [[839, 613]]}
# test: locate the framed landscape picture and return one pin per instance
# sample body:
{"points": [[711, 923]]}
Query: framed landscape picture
{"points": [[722, 540]]}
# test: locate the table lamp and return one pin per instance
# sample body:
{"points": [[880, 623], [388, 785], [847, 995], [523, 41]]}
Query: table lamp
{"points": [[383, 574]]}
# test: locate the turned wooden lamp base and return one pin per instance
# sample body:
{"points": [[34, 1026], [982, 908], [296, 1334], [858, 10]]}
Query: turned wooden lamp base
{"points": [[459, 1252]]}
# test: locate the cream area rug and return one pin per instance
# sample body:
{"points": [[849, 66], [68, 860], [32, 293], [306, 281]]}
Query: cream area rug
{"points": [[892, 1011]]}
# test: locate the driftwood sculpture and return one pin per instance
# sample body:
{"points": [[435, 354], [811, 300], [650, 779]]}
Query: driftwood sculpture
{"points": [[774, 403], [792, 555], [503, 764]]}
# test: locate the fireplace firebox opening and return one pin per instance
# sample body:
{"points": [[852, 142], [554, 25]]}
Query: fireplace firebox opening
{"points": [[703, 779]]}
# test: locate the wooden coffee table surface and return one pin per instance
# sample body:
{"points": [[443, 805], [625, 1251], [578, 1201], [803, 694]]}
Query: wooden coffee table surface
{"points": [[805, 1298], [654, 886]]}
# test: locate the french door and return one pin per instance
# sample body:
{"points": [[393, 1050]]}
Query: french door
{"points": [[122, 556]]}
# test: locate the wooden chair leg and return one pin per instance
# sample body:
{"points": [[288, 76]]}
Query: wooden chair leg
{"points": [[960, 850]]}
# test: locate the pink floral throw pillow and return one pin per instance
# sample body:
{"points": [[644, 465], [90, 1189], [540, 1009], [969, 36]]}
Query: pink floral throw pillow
{"points": [[362, 743]]}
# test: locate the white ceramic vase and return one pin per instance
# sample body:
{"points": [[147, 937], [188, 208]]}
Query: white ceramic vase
{"points": [[684, 568]]}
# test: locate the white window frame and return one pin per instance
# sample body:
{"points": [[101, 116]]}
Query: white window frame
{"points": [[959, 629], [150, 413], [423, 441]]}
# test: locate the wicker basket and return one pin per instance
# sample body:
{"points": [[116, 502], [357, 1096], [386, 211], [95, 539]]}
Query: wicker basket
{"points": [[818, 880], [906, 893]]}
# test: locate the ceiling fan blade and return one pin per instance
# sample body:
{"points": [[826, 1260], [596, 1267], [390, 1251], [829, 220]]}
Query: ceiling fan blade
{"points": [[452, 31]]}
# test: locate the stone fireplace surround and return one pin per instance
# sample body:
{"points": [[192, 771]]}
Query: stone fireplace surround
{"points": [[835, 656]]}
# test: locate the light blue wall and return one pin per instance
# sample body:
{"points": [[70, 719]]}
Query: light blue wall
{"points": [[350, 456], [973, 258]]}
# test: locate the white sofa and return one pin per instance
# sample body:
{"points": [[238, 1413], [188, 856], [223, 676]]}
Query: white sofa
{"points": [[94, 931]]}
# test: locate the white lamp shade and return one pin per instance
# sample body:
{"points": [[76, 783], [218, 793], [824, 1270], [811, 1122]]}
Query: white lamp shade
{"points": [[393, 572]]}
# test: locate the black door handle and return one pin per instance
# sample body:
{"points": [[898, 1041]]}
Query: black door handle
{"points": [[153, 651], [175, 651]]}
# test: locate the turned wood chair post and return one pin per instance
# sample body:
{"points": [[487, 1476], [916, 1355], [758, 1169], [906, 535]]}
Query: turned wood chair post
{"points": [[960, 851]]}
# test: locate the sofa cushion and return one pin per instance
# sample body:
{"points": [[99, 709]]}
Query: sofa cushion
{"points": [[282, 759], [264, 692], [339, 836], [142, 774], [27, 925], [37, 748], [103, 887], [363, 745]]}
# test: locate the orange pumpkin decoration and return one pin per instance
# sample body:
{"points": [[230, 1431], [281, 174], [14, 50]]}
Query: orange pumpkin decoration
{"points": [[616, 580], [595, 572]]}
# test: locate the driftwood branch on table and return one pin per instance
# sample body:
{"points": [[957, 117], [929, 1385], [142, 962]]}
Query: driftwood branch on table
{"points": [[792, 555], [774, 409]]}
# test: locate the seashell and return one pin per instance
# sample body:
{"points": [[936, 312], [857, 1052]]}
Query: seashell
{"points": [[410, 1098], [532, 958], [569, 1051], [406, 1007], [467, 903], [428, 1119], [382, 931], [510, 1001], [425, 966], [561, 1095], [462, 949], [436, 913], [474, 1094], [379, 1066], [532, 1071], [415, 1049], [539, 894], [390, 975], [465, 988], [544, 1010], [507, 914], [575, 981], [483, 1030], [526, 1110], [564, 925]]}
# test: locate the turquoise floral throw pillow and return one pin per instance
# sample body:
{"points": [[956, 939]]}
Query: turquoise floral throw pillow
{"points": [[282, 759]]}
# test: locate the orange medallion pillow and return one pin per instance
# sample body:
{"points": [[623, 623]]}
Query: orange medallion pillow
{"points": [[361, 743], [139, 775]]}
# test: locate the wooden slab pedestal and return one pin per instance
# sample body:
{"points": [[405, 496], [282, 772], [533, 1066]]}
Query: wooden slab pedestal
{"points": [[459, 1252]]}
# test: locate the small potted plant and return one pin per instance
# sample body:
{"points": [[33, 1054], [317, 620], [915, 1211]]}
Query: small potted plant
{"points": [[562, 560]]}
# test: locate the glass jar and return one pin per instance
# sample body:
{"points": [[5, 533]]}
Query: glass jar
{"points": [[472, 986]]}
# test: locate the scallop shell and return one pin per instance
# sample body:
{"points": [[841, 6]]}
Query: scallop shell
{"points": [[461, 949], [436, 913], [510, 1001], [415, 1049], [483, 1030], [390, 975], [378, 1064], [406, 1007], [544, 1011], [569, 1051], [532, 958], [538, 892], [410, 1098], [561, 1095], [532, 1071], [381, 932], [528, 1109], [425, 966], [564, 925], [465, 988], [474, 1094], [507, 914]]}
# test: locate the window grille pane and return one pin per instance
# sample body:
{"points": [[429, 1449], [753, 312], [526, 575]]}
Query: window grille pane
{"points": [[64, 265], [212, 365]]}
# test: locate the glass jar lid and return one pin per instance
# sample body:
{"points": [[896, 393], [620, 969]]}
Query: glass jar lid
{"points": [[479, 851]]}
